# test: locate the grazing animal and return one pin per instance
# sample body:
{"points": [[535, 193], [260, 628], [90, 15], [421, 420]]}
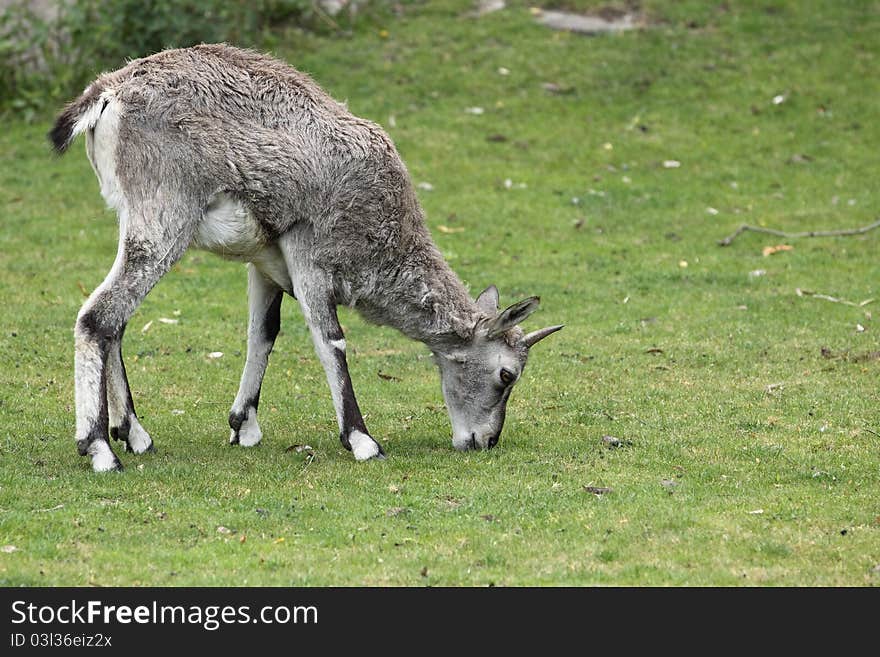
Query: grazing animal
{"points": [[237, 153]]}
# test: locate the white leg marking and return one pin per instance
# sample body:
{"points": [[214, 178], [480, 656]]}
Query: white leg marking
{"points": [[249, 434], [339, 345], [362, 446], [117, 389], [334, 379], [88, 382], [138, 438], [251, 379], [103, 459]]}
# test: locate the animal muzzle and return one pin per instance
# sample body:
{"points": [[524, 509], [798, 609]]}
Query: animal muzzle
{"points": [[471, 441]]}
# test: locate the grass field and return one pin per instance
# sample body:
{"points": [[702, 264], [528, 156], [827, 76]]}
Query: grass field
{"points": [[750, 411]]}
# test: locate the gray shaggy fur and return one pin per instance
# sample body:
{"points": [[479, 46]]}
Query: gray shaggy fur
{"points": [[215, 126]]}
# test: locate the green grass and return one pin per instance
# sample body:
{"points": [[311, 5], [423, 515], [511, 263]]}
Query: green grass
{"points": [[775, 487]]}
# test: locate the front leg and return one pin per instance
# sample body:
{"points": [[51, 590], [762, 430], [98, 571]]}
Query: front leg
{"points": [[264, 310], [330, 345], [319, 308]]}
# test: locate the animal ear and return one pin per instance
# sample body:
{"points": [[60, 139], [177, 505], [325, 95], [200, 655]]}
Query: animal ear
{"points": [[540, 334], [488, 300], [510, 317]]}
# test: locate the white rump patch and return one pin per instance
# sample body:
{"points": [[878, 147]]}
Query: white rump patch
{"points": [[103, 126], [90, 117], [103, 459], [362, 446], [249, 434], [138, 439]]}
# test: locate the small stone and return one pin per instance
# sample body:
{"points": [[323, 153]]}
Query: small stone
{"points": [[561, 20], [489, 6]]}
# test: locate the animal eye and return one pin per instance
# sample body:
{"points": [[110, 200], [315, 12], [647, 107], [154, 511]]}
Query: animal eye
{"points": [[507, 377]]}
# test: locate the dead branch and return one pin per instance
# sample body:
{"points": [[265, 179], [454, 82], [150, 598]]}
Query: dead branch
{"points": [[826, 297], [727, 241], [54, 508]]}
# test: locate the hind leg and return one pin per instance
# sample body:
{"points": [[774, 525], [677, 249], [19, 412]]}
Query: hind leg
{"points": [[149, 244], [264, 310], [124, 424]]}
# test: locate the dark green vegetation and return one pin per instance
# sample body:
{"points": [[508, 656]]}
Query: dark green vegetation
{"points": [[751, 411], [47, 52]]}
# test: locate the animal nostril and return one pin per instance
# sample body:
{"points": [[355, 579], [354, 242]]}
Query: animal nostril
{"points": [[493, 441]]}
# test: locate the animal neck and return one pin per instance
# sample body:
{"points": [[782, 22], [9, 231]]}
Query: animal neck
{"points": [[426, 300], [444, 312]]}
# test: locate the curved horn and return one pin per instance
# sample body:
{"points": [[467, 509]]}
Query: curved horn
{"points": [[540, 334]]}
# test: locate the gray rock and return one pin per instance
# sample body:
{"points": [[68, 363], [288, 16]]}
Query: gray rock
{"points": [[561, 20], [488, 6], [333, 7]]}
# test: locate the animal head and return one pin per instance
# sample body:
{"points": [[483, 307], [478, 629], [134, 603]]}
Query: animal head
{"points": [[478, 374]]}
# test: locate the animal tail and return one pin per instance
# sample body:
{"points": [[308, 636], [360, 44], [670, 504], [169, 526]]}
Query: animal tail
{"points": [[78, 116]]}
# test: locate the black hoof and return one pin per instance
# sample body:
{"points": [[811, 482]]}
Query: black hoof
{"points": [[343, 438], [121, 432]]}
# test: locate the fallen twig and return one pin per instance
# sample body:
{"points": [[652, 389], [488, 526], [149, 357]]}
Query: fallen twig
{"points": [[826, 297], [54, 508], [727, 241]]}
